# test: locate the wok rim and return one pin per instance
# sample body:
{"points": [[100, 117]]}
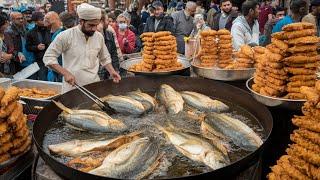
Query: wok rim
{"points": [[250, 157]]}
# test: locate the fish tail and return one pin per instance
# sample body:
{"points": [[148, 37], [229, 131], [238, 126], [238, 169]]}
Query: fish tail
{"points": [[160, 128], [136, 133], [169, 125], [62, 107], [153, 167]]}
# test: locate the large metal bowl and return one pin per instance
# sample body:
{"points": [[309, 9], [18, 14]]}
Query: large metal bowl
{"points": [[132, 61], [289, 104], [216, 73]]}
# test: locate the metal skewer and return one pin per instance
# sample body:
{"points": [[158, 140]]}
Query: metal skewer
{"points": [[103, 105]]}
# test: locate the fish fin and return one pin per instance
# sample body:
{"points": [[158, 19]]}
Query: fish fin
{"points": [[172, 127], [160, 127], [218, 143], [151, 168], [212, 132], [138, 90], [136, 133], [75, 128], [63, 107]]}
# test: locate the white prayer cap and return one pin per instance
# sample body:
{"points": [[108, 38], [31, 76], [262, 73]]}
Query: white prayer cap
{"points": [[88, 12]]}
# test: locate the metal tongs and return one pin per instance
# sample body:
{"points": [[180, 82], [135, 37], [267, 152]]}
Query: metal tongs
{"points": [[103, 105]]}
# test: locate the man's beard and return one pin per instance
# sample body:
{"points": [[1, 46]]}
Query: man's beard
{"points": [[87, 33]]}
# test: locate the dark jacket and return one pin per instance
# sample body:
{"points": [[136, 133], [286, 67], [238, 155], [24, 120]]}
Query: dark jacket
{"points": [[12, 38], [111, 46], [136, 22], [233, 15], [35, 37], [166, 24], [6, 68]]}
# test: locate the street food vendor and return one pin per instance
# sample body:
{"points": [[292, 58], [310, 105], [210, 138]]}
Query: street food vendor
{"points": [[82, 50]]}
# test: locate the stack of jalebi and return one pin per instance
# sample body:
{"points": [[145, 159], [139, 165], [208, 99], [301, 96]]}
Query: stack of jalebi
{"points": [[159, 53], [303, 60], [261, 61], [14, 133], [165, 52], [208, 48], [244, 58], [148, 58], [225, 48], [303, 156]]}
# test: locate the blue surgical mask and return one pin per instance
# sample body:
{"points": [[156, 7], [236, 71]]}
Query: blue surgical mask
{"points": [[123, 26]]}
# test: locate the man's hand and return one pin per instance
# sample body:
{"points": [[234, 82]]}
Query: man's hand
{"points": [[21, 57], [115, 76], [125, 41], [41, 47], [69, 78], [5, 57]]}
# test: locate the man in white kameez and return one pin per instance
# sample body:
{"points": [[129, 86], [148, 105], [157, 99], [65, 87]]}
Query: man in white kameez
{"points": [[82, 49]]}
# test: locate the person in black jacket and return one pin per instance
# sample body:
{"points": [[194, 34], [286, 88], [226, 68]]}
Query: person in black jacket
{"points": [[111, 46], [159, 22], [135, 18], [225, 18], [38, 40]]}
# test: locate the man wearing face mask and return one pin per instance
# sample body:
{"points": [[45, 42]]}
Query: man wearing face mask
{"points": [[158, 22], [183, 24], [82, 49], [38, 40], [126, 38]]}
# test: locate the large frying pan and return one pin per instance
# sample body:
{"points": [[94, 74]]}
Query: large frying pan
{"points": [[150, 84]]}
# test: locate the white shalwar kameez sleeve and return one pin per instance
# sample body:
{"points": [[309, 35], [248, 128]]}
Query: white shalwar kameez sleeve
{"points": [[80, 56]]}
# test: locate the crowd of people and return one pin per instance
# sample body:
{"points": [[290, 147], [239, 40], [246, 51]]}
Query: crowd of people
{"points": [[26, 34]]}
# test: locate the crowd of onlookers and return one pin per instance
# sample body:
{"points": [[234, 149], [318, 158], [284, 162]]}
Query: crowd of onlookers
{"points": [[25, 34]]}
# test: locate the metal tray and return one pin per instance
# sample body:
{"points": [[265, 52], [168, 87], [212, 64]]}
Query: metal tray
{"points": [[130, 62], [13, 159], [27, 83], [216, 73], [5, 82], [289, 104], [132, 56]]}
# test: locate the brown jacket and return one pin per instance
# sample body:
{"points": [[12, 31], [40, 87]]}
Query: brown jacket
{"points": [[231, 18]]}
